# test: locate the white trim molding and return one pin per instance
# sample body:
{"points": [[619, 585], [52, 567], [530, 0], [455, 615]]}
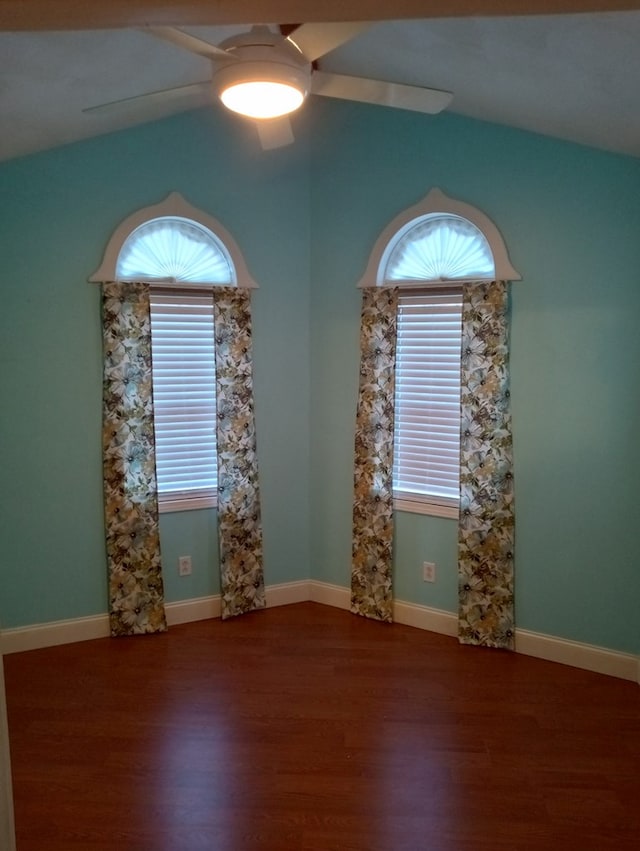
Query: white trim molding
{"points": [[204, 608], [196, 609], [7, 827], [429, 507], [409, 614], [425, 617], [626, 666], [437, 202], [173, 205], [23, 638], [329, 595], [614, 663], [286, 593], [601, 660]]}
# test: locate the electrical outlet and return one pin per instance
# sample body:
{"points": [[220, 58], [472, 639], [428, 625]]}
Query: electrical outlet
{"points": [[429, 571], [184, 566]]}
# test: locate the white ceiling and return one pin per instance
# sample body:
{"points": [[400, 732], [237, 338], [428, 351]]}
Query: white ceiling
{"points": [[574, 77]]}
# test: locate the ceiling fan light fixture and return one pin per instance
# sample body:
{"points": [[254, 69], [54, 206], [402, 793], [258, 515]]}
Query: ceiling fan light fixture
{"points": [[262, 99], [262, 89]]}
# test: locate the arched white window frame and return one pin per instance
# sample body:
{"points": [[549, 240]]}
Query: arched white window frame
{"points": [[174, 206], [439, 301], [195, 304], [433, 204]]}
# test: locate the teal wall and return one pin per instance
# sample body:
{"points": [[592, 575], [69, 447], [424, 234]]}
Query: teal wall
{"points": [[59, 209], [571, 219], [306, 218]]}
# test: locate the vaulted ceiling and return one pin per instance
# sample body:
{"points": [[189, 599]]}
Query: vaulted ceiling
{"points": [[569, 69]]}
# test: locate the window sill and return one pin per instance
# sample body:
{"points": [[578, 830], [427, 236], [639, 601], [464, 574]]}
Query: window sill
{"points": [[169, 505], [448, 509]]}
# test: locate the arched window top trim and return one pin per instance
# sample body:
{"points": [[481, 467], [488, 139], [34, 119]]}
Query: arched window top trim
{"points": [[173, 206], [436, 202]]}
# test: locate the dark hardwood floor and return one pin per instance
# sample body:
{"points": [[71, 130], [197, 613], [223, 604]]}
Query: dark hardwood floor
{"points": [[304, 728]]}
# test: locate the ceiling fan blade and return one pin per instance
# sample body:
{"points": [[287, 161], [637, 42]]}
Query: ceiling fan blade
{"points": [[195, 91], [314, 40], [380, 92], [189, 42], [274, 132]]}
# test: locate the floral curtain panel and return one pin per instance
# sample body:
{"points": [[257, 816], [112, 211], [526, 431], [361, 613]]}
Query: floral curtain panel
{"points": [[487, 522], [136, 597], [372, 547], [239, 519], [487, 519]]}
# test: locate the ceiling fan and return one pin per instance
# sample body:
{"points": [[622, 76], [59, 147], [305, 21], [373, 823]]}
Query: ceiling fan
{"points": [[266, 75]]}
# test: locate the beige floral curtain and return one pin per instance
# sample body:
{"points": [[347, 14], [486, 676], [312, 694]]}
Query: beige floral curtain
{"points": [[136, 598], [372, 547], [239, 520], [487, 521]]}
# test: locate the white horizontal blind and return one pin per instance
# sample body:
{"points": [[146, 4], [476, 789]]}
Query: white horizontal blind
{"points": [[427, 406], [184, 394]]}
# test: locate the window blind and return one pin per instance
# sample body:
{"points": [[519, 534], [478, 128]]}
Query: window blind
{"points": [[427, 402], [184, 394]]}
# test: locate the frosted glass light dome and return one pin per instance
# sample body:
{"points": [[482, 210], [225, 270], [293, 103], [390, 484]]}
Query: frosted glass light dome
{"points": [[176, 249], [437, 247]]}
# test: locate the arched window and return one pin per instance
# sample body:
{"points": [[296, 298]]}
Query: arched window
{"points": [[429, 251], [437, 247], [173, 243], [182, 253], [172, 248], [438, 241]]}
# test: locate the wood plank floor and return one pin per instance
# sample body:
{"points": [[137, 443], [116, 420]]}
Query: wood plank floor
{"points": [[304, 728]]}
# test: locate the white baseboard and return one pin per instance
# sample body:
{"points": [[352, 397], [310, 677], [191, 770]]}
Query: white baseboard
{"points": [[329, 595], [203, 608], [410, 614], [57, 632], [424, 617], [287, 592], [197, 609], [625, 666], [97, 626], [598, 659], [7, 828]]}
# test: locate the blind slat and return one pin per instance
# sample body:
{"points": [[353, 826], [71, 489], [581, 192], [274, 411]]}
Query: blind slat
{"points": [[427, 405], [184, 392]]}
